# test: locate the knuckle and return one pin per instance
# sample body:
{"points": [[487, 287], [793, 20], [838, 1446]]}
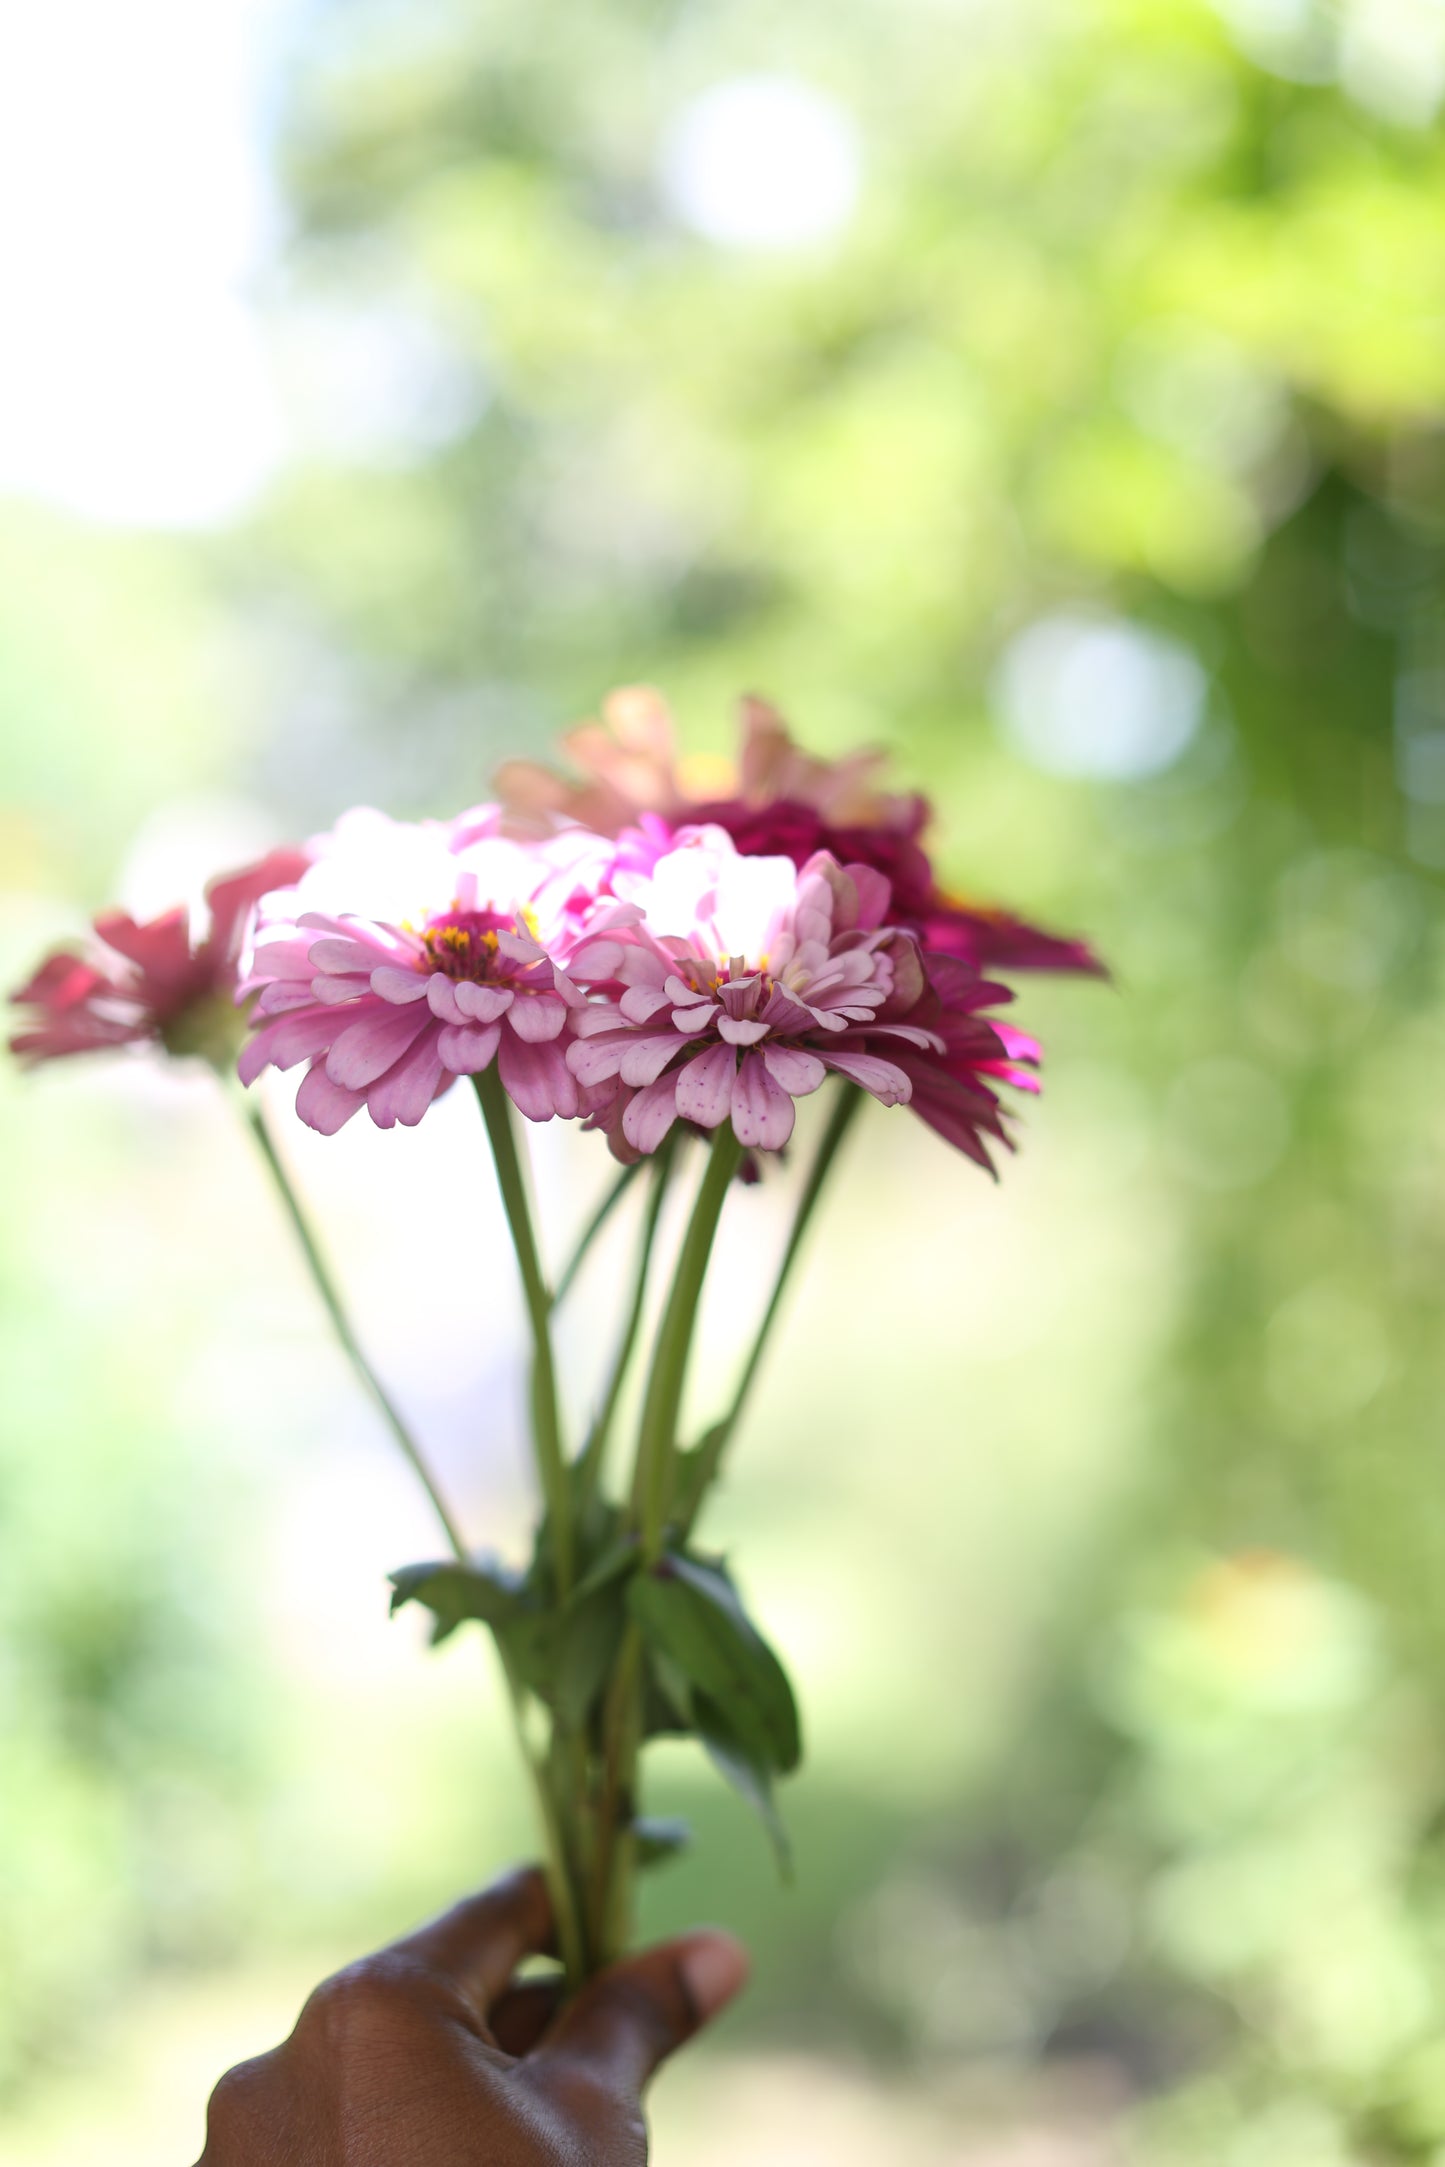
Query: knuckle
{"points": [[232, 2106], [357, 2006]]}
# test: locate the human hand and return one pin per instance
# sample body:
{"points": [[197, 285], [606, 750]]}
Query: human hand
{"points": [[428, 2055]]}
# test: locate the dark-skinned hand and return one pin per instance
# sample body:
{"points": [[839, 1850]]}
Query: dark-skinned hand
{"points": [[431, 2054]]}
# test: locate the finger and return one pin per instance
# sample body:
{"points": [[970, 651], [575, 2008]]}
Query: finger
{"points": [[633, 2016], [521, 2015], [478, 1944]]}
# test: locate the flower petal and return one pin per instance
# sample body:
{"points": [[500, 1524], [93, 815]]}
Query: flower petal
{"points": [[886, 1082], [367, 1048], [639, 1004], [595, 1060], [323, 1105], [400, 986], [645, 1059], [335, 954], [467, 1048], [442, 999], [649, 1115], [742, 1030], [537, 1017], [282, 1044], [797, 1071], [705, 1086], [485, 1003], [536, 1077], [762, 1110], [404, 1093]]}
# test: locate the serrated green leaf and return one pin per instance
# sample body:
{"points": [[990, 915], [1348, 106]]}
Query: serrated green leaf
{"points": [[690, 1614], [750, 1777], [484, 1589]]}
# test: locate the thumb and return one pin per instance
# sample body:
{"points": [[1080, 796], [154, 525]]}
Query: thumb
{"points": [[631, 2017]]}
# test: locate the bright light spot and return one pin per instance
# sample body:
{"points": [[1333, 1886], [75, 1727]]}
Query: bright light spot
{"points": [[763, 162], [1097, 696], [133, 209], [1392, 58], [378, 384]]}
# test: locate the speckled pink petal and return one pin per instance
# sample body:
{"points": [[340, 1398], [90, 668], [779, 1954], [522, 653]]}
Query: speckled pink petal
{"points": [[705, 1086], [648, 1116], [645, 1058], [597, 1060], [798, 1072], [886, 1082], [762, 1111]]}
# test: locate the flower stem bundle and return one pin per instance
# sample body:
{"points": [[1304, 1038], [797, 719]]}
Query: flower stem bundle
{"points": [[674, 976]]}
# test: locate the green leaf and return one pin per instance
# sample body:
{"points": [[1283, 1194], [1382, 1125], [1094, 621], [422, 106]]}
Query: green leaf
{"points": [[484, 1589], [750, 1777], [658, 1841], [612, 1564], [690, 1613], [666, 1698], [590, 1636]]}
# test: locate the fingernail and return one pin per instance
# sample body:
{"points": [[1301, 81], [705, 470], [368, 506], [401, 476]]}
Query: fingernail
{"points": [[714, 1968]]}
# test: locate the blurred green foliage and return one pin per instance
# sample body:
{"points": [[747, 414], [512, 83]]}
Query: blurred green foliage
{"points": [[1135, 336]]}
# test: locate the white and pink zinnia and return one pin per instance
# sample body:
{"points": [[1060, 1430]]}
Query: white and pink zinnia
{"points": [[464, 968], [740, 984]]}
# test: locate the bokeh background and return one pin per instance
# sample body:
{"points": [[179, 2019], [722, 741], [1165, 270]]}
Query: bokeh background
{"points": [[1050, 391]]}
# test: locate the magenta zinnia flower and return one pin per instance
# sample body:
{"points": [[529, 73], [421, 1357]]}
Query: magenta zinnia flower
{"points": [[778, 801], [170, 980], [746, 981], [388, 1012]]}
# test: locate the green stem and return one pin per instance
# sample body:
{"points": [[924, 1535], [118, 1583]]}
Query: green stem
{"points": [[326, 1288], [715, 1444], [594, 1227], [546, 1425], [594, 1452], [657, 1436], [561, 1881]]}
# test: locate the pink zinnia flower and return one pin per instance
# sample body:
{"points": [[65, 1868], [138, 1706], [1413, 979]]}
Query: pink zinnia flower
{"points": [[745, 982], [170, 980], [388, 1012], [778, 801]]}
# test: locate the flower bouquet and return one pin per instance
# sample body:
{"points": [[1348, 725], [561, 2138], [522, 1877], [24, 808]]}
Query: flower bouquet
{"points": [[674, 971]]}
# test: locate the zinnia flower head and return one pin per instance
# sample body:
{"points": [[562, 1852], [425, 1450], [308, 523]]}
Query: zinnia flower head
{"points": [[777, 801], [744, 981], [389, 1011], [169, 980]]}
